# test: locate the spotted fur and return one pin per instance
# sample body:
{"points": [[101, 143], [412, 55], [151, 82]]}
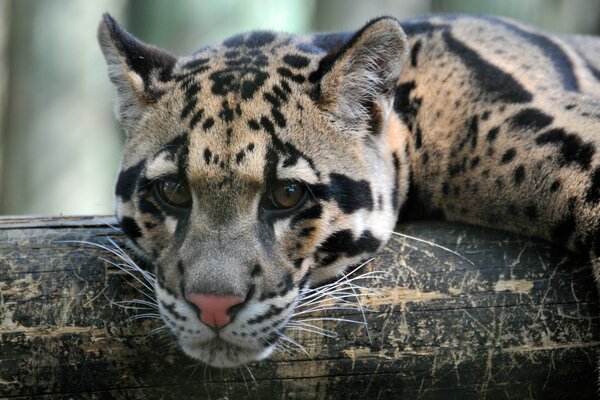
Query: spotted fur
{"points": [[475, 119]]}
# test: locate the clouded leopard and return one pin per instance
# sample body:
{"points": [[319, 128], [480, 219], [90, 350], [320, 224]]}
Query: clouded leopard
{"points": [[271, 162]]}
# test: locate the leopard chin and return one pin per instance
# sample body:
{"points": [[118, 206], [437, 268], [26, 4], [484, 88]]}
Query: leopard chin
{"points": [[221, 353]]}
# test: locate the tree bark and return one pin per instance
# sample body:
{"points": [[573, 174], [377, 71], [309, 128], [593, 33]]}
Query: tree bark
{"points": [[506, 318]]}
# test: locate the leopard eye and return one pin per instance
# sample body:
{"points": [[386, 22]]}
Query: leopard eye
{"points": [[287, 194], [174, 193]]}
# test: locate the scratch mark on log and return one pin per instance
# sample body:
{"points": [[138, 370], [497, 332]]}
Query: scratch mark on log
{"points": [[514, 285], [399, 296]]}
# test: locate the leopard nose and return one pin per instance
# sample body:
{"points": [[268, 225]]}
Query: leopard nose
{"points": [[215, 311]]}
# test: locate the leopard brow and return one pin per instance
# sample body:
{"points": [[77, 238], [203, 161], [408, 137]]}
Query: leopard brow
{"points": [[160, 167], [298, 172]]}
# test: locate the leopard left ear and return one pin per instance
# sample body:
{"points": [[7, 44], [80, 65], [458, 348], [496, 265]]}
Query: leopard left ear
{"points": [[357, 82], [136, 69]]}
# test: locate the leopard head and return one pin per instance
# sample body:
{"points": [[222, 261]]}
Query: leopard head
{"points": [[254, 169]]}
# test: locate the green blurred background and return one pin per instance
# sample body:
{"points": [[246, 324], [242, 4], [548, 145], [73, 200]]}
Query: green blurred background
{"points": [[59, 144]]}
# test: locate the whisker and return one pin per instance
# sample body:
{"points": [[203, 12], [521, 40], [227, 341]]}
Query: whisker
{"points": [[362, 311], [292, 341], [251, 374], [416, 239], [332, 319]]}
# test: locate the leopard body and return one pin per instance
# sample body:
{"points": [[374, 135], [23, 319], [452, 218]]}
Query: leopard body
{"points": [[475, 119]]}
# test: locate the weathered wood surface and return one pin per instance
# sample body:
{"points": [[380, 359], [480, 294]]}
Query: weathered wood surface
{"points": [[521, 322]]}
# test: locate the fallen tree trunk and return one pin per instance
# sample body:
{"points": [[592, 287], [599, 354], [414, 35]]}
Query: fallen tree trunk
{"points": [[512, 319]]}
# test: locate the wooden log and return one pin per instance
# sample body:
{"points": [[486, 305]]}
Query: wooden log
{"points": [[521, 321]]}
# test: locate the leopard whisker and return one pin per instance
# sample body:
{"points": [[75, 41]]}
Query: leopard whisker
{"points": [[416, 239], [293, 342], [144, 316]]}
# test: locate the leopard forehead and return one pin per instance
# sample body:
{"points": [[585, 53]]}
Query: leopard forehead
{"points": [[242, 110]]}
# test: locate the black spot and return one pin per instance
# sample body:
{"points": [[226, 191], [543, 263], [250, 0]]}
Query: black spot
{"points": [[419, 27], [250, 147], [195, 63], [286, 285], [570, 106], [252, 124], [272, 99], [492, 134], [127, 180], [562, 231], [256, 271], [555, 185], [171, 309], [131, 228], [234, 41], [196, 118], [267, 125], [519, 174], [502, 87], [296, 61], [471, 136], [290, 75], [573, 150], [342, 243], [285, 86], [259, 39], [456, 168], [350, 195], [306, 231], [150, 225], [278, 91], [271, 312], [508, 155], [475, 162], [226, 113], [148, 207], [250, 86], [376, 118], [192, 91], [187, 109], [396, 190], [414, 53], [208, 123], [485, 116], [418, 137], [593, 192], [240, 157], [445, 188], [406, 109], [244, 79], [530, 119], [310, 213], [531, 212], [207, 156], [278, 118]]}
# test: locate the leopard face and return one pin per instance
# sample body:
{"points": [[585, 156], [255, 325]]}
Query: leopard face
{"points": [[254, 169]]}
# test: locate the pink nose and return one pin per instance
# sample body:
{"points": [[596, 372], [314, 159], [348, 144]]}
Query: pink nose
{"points": [[214, 309]]}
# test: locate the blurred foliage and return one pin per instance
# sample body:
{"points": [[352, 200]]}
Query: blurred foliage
{"points": [[59, 145]]}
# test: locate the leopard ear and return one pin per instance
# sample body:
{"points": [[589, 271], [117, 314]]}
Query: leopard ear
{"points": [[357, 82], [135, 68]]}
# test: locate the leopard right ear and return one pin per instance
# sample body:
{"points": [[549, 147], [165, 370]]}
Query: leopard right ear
{"points": [[135, 68], [357, 82]]}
